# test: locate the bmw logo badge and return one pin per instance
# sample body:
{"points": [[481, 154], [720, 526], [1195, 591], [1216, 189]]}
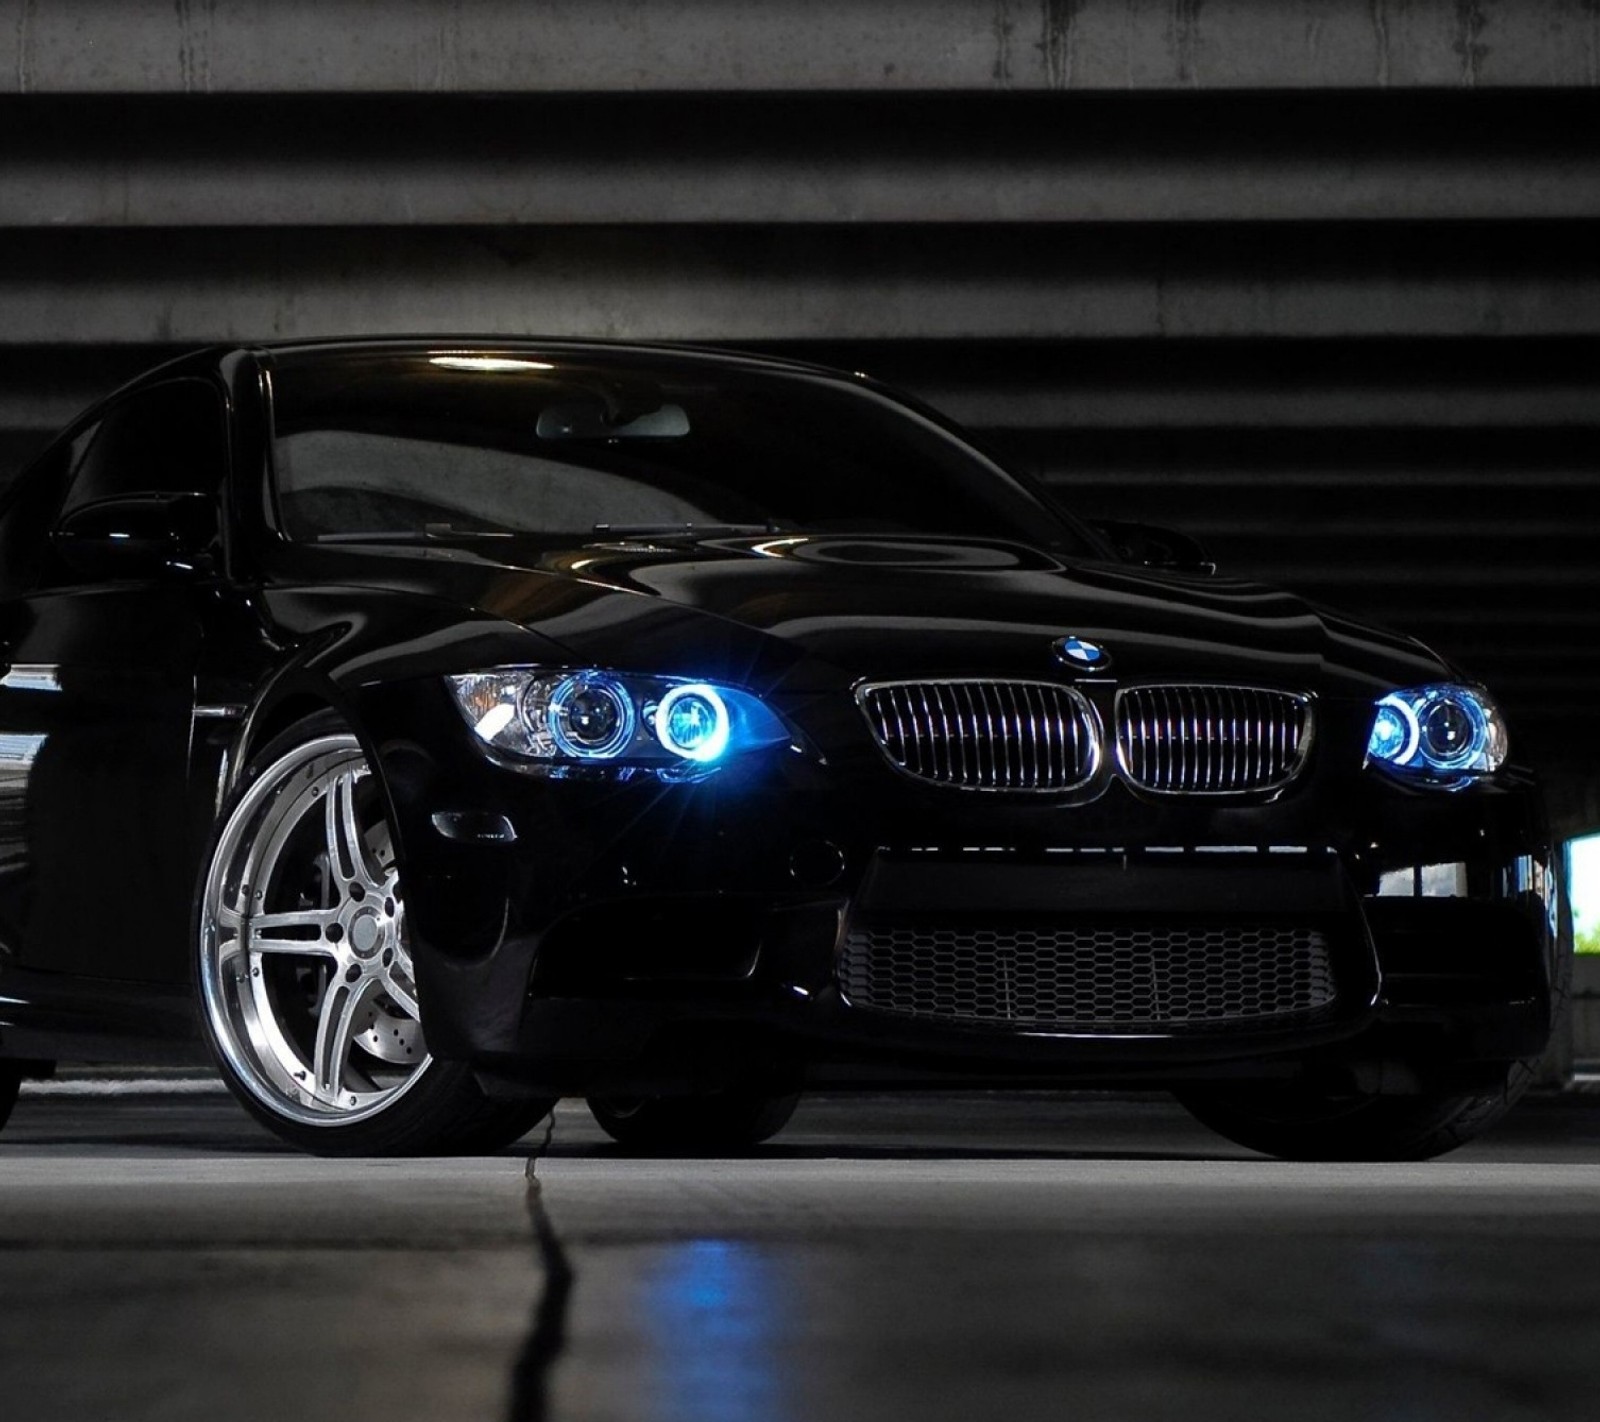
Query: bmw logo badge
{"points": [[1085, 655]]}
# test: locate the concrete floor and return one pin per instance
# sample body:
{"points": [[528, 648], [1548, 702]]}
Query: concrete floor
{"points": [[951, 1257]]}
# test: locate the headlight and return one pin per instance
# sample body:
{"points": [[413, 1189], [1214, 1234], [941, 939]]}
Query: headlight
{"points": [[693, 721], [1443, 733], [597, 718]]}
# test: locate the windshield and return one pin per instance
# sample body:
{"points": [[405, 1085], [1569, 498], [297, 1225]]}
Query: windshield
{"points": [[375, 446]]}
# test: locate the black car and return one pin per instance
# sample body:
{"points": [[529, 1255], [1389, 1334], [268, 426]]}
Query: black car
{"points": [[436, 727]]}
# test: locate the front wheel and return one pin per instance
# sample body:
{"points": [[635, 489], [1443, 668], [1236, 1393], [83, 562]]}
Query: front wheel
{"points": [[719, 1120], [1299, 1121], [306, 987]]}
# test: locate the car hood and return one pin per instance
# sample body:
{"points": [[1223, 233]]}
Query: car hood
{"points": [[816, 612]]}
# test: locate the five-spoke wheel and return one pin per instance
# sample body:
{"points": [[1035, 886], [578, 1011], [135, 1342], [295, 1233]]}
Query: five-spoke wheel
{"points": [[305, 972]]}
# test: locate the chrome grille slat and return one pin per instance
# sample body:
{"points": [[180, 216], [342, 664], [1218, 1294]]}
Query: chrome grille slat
{"points": [[1020, 741], [1194, 739], [1031, 739], [1011, 740], [1171, 738], [961, 731], [984, 734], [983, 722], [902, 739], [1169, 744], [938, 735]]}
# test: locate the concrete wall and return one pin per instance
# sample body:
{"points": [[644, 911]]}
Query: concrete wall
{"points": [[590, 46]]}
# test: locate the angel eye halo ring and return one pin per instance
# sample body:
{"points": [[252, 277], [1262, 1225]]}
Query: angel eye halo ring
{"points": [[589, 716], [594, 720], [1444, 733], [692, 721]]}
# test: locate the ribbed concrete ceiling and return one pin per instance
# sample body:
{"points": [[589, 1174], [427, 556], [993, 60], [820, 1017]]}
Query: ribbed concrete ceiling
{"points": [[608, 46]]}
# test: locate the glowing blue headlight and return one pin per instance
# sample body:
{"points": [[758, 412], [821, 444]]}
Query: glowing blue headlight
{"points": [[589, 715], [618, 724], [1442, 732], [1394, 732], [692, 721]]}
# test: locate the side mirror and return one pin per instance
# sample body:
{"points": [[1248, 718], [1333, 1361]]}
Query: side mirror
{"points": [[138, 535], [1153, 547]]}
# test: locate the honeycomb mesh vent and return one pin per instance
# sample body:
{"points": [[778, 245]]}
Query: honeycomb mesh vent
{"points": [[1108, 976]]}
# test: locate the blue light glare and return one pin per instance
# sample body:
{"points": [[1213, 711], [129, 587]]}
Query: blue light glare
{"points": [[591, 716], [705, 1276], [1442, 732], [592, 721], [1394, 732], [692, 721], [717, 1317]]}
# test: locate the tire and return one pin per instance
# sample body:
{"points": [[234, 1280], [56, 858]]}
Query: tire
{"points": [[503, 1123], [303, 971], [1295, 1121], [723, 1120], [10, 1083]]}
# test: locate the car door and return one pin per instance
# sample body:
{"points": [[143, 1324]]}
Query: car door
{"points": [[97, 697]]}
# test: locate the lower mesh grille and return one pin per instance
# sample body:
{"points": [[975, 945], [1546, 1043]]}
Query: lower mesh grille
{"points": [[1104, 976]]}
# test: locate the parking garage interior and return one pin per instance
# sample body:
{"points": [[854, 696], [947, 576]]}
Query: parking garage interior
{"points": [[1315, 282]]}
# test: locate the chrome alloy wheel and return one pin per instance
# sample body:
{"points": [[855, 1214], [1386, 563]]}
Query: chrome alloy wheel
{"points": [[305, 975]]}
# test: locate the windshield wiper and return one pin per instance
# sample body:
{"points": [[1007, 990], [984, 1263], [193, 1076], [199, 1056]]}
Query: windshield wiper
{"points": [[428, 533], [444, 532], [682, 530]]}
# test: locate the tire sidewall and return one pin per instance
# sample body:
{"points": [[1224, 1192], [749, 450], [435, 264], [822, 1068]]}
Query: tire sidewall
{"points": [[419, 1121]]}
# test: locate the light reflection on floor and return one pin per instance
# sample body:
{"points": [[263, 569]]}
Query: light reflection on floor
{"points": [[715, 1309]]}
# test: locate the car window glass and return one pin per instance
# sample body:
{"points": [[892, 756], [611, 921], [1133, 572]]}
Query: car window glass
{"points": [[361, 481], [28, 512], [167, 440], [413, 445]]}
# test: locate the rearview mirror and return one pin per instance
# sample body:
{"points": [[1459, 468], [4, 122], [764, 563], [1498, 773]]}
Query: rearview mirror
{"points": [[1151, 546], [138, 535], [590, 419]]}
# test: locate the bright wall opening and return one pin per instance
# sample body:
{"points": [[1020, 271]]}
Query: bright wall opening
{"points": [[1583, 890]]}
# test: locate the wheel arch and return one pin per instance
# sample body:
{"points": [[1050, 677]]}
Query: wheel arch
{"points": [[296, 695], [274, 718], [349, 639]]}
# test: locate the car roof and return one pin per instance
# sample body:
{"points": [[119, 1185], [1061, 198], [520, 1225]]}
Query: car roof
{"points": [[206, 360], [275, 352]]}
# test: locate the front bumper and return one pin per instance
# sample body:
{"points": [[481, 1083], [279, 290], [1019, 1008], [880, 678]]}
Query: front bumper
{"points": [[644, 936]]}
